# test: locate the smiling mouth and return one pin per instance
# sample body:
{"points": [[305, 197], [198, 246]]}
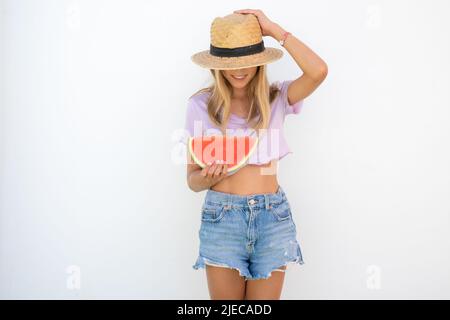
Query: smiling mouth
{"points": [[239, 77]]}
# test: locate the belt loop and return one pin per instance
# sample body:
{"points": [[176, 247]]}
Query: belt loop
{"points": [[229, 201], [281, 193], [266, 200]]}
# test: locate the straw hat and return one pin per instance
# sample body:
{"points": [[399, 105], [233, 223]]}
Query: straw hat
{"points": [[236, 42]]}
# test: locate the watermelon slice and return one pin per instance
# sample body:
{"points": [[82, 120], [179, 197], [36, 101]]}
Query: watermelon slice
{"points": [[232, 150]]}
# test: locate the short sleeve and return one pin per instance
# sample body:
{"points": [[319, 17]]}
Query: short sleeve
{"points": [[192, 122], [289, 108]]}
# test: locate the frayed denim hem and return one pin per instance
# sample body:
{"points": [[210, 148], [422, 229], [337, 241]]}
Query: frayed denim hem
{"points": [[298, 259], [202, 262]]}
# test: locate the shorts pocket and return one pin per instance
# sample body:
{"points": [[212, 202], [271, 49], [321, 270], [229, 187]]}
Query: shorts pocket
{"points": [[282, 211], [212, 214]]}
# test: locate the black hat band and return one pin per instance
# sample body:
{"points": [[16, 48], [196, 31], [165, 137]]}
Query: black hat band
{"points": [[237, 52]]}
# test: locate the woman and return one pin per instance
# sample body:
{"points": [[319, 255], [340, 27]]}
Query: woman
{"points": [[247, 233]]}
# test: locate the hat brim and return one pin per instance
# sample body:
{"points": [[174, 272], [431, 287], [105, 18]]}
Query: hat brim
{"points": [[207, 60]]}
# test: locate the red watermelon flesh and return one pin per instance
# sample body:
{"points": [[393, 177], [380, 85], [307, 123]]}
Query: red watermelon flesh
{"points": [[232, 150]]}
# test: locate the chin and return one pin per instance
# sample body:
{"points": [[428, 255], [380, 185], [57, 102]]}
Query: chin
{"points": [[239, 85]]}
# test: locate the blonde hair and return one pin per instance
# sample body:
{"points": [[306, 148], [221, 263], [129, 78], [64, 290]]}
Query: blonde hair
{"points": [[260, 94]]}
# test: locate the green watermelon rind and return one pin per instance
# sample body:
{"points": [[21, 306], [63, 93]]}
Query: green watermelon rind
{"points": [[192, 153], [230, 169]]}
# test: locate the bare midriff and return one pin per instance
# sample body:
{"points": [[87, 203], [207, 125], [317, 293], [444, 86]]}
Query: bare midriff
{"points": [[250, 179]]}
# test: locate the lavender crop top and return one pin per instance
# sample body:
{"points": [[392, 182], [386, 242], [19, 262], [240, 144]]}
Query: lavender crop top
{"points": [[272, 145]]}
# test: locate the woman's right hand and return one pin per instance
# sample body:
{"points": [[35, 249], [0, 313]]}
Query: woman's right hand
{"points": [[214, 172], [199, 179]]}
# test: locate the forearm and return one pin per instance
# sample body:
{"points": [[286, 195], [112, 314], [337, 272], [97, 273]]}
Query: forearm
{"points": [[310, 63], [197, 182]]}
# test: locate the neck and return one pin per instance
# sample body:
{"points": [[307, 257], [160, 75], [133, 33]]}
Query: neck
{"points": [[239, 93]]}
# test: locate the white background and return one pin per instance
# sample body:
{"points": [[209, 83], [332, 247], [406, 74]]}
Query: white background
{"points": [[90, 195]]}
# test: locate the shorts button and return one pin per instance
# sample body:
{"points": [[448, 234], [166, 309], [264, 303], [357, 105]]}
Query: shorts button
{"points": [[252, 201]]}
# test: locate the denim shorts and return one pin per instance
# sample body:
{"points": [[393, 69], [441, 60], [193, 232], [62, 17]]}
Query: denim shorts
{"points": [[254, 234]]}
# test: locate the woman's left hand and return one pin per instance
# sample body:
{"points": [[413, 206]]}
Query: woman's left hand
{"points": [[265, 23]]}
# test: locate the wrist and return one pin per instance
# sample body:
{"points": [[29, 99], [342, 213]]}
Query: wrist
{"points": [[277, 32]]}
